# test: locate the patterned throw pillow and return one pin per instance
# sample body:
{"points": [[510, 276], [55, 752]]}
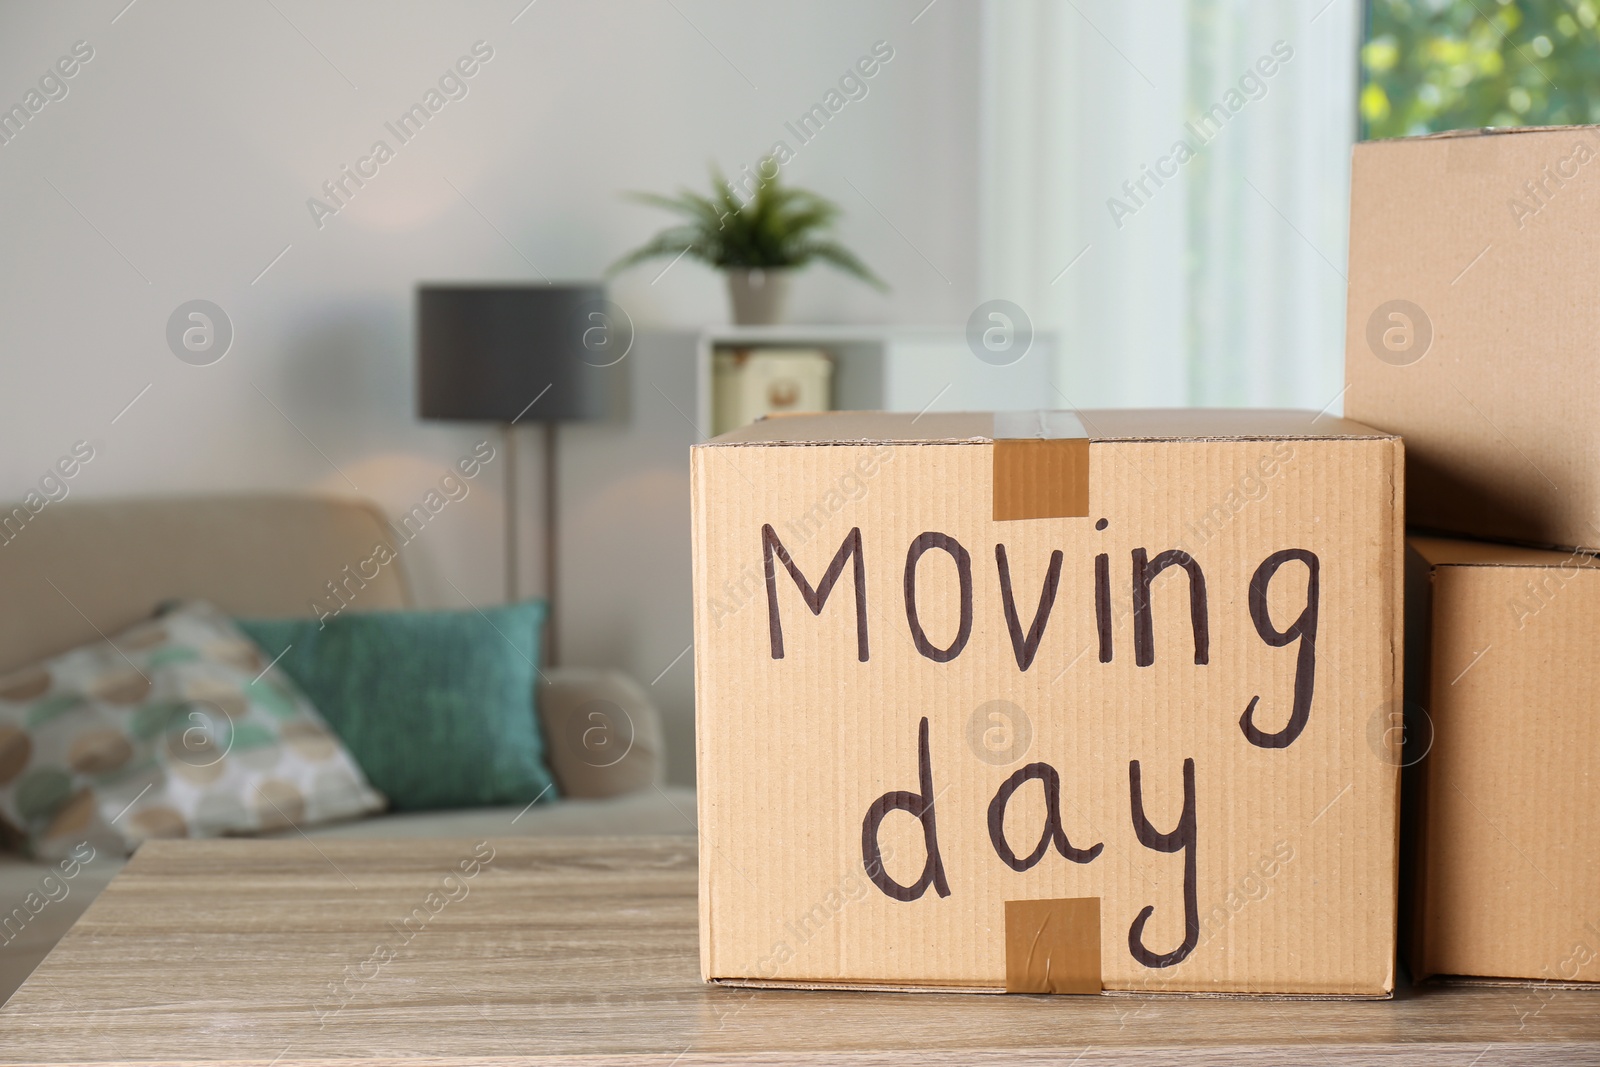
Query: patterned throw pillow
{"points": [[176, 728]]}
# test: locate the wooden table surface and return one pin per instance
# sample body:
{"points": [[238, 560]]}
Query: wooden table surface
{"points": [[584, 950]]}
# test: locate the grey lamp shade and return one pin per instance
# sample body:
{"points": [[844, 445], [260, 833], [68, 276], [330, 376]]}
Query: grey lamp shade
{"points": [[486, 352]]}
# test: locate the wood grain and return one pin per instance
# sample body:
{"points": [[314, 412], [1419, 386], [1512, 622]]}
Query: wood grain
{"points": [[584, 950]]}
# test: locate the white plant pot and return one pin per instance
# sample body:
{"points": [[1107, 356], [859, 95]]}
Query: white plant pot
{"points": [[758, 296]]}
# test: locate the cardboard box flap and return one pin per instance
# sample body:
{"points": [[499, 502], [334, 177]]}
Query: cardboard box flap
{"points": [[1448, 552], [1480, 131], [1152, 424], [864, 427], [1221, 424]]}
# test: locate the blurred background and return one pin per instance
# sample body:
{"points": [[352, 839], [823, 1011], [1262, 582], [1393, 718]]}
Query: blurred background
{"points": [[1158, 189]]}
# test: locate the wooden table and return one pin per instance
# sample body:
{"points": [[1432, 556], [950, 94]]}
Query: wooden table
{"points": [[583, 950]]}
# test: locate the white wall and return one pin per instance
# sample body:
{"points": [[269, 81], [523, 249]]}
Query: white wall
{"points": [[179, 166]]}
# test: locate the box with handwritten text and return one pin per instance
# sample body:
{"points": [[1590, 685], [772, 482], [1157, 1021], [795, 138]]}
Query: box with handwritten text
{"points": [[1049, 702]]}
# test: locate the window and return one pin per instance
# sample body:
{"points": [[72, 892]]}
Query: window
{"points": [[1430, 65]]}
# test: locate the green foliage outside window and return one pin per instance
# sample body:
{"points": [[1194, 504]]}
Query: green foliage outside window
{"points": [[1430, 65]]}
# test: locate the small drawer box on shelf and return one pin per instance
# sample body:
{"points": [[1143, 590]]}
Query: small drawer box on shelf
{"points": [[750, 382]]}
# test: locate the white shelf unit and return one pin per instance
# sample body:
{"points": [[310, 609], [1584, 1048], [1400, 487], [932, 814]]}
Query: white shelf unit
{"points": [[899, 368]]}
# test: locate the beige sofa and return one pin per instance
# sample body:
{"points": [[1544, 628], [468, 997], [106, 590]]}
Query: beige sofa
{"points": [[78, 571]]}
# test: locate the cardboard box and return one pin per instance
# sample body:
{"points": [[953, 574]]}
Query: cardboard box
{"points": [[1033, 704], [1471, 326], [1500, 810]]}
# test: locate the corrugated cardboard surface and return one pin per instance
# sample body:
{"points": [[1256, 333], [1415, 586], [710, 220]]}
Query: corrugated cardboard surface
{"points": [[1294, 858], [1509, 844], [1488, 240]]}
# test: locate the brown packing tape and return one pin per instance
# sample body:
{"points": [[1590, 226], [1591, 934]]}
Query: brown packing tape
{"points": [[1041, 479], [1053, 946]]}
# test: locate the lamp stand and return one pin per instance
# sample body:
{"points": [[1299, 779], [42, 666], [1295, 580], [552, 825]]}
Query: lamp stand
{"points": [[551, 595], [513, 576], [509, 443]]}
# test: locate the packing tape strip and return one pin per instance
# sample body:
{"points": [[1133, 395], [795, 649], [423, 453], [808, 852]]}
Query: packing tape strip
{"points": [[1053, 946], [1041, 466]]}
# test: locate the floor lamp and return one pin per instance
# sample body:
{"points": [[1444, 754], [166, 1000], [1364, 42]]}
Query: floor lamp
{"points": [[513, 354]]}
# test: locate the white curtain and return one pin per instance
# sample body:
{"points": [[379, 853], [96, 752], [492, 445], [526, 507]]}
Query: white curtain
{"points": [[1172, 279]]}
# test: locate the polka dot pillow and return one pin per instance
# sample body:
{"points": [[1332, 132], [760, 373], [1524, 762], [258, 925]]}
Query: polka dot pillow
{"points": [[178, 727]]}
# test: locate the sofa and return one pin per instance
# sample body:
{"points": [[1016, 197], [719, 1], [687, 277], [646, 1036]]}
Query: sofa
{"points": [[74, 572]]}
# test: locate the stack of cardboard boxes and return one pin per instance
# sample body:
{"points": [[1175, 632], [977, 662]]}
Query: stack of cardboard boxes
{"points": [[1474, 331], [1114, 700]]}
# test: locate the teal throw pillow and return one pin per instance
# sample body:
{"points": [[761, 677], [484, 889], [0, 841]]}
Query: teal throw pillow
{"points": [[437, 707]]}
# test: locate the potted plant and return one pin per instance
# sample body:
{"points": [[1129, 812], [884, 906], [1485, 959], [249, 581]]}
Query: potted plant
{"points": [[758, 242]]}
